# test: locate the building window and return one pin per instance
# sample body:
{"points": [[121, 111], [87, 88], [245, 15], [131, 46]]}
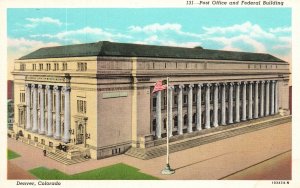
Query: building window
{"points": [[81, 66], [22, 97], [56, 66], [154, 125], [185, 99], [62, 102], [29, 136], [65, 66], [22, 67], [41, 66], [43, 141], [48, 66], [36, 139], [81, 106], [185, 118], [33, 67], [194, 98], [50, 144], [175, 121], [154, 103]]}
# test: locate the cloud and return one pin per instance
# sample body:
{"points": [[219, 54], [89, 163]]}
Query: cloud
{"points": [[154, 39], [248, 28], [23, 46], [45, 20], [72, 34], [156, 27], [230, 43], [281, 30]]}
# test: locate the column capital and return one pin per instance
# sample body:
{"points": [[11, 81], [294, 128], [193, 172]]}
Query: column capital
{"points": [[250, 82], [68, 88], [268, 81], [245, 82], [273, 81], [40, 86], [231, 83], [238, 83], [216, 84], [208, 85], [191, 86], [224, 83], [181, 86], [256, 82], [200, 85], [33, 85], [263, 82], [170, 87], [56, 88], [27, 85], [48, 87]]}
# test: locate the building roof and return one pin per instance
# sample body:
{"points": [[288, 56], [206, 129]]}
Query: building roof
{"points": [[106, 48]]}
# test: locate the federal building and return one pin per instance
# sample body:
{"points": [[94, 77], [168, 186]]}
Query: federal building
{"points": [[97, 99]]}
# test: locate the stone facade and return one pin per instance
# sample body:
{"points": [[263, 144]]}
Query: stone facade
{"points": [[105, 104]]}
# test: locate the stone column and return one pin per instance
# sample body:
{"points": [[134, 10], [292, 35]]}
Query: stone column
{"points": [[262, 101], [67, 136], [250, 102], [49, 110], [216, 105], [223, 104], [237, 102], [158, 114], [244, 116], [170, 115], [272, 97], [42, 110], [28, 123], [57, 134], [256, 100], [199, 108], [34, 109], [230, 104], [267, 98], [190, 109], [207, 106], [179, 98], [276, 97]]}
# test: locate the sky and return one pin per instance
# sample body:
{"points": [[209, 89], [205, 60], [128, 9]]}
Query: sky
{"points": [[263, 30]]}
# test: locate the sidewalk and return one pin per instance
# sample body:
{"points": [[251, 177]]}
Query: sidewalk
{"points": [[210, 161]]}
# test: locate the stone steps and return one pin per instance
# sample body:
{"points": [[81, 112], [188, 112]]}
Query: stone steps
{"points": [[157, 151], [62, 158]]}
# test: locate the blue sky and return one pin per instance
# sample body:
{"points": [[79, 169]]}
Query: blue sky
{"points": [[265, 30]]}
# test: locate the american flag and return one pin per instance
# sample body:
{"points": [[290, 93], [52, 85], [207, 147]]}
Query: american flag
{"points": [[160, 85]]}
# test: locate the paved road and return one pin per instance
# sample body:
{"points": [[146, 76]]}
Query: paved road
{"points": [[276, 168], [206, 162]]}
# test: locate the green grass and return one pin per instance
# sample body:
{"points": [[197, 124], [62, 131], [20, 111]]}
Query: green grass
{"points": [[12, 155], [118, 171]]}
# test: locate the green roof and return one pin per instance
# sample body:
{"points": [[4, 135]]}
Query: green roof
{"points": [[105, 48]]}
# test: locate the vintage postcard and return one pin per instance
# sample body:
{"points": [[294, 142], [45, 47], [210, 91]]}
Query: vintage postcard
{"points": [[184, 90]]}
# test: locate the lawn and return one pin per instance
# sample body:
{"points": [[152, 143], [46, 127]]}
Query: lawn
{"points": [[118, 171], [12, 155]]}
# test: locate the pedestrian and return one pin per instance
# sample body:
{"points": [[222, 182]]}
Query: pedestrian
{"points": [[45, 152]]}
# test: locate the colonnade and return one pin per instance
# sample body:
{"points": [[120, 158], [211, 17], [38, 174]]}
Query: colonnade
{"points": [[35, 115], [231, 102]]}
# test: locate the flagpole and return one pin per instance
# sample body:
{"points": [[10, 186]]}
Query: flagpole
{"points": [[167, 170]]}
